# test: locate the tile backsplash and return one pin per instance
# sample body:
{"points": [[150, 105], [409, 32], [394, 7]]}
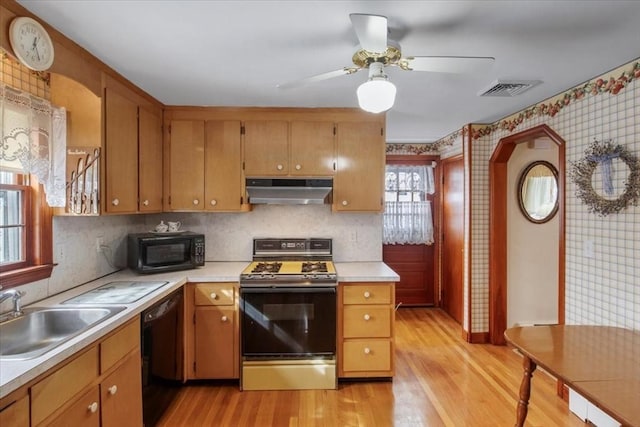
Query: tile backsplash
{"points": [[229, 237]]}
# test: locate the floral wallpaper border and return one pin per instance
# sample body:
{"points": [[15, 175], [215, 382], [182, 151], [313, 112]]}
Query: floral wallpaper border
{"points": [[425, 148], [593, 87]]}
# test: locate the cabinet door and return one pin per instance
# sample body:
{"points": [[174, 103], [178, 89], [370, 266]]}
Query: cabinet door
{"points": [[150, 161], [216, 354], [266, 148], [121, 154], [223, 166], [186, 192], [121, 395], [359, 178], [84, 412], [312, 148]]}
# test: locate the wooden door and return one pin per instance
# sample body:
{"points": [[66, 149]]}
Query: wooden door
{"points": [[266, 148], [359, 178], [223, 166], [84, 412], [150, 161], [312, 148], [121, 154], [121, 395], [214, 337], [186, 188], [453, 237]]}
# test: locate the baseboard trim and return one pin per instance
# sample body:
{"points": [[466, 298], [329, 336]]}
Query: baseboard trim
{"points": [[475, 337]]}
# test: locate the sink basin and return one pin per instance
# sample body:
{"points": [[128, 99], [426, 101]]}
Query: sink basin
{"points": [[39, 330]]}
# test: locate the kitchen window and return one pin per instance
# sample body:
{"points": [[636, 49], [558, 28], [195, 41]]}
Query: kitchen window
{"points": [[407, 215]]}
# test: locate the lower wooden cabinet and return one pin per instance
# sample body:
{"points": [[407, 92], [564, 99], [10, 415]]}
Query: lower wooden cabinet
{"points": [[366, 316], [100, 387], [15, 413], [213, 334]]}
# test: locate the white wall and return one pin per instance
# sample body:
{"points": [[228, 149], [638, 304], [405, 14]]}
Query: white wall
{"points": [[532, 250]]}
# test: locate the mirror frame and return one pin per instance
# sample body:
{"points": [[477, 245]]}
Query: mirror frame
{"points": [[521, 181]]}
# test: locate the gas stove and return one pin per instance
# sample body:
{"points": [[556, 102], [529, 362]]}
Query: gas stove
{"points": [[290, 262]]}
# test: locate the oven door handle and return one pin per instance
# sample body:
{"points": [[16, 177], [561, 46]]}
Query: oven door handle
{"points": [[288, 290]]}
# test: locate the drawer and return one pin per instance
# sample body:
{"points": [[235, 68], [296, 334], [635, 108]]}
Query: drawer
{"points": [[116, 346], [16, 414], [367, 293], [214, 294], [366, 355], [362, 321], [58, 388]]}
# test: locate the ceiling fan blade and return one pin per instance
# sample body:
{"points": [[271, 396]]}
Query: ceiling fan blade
{"points": [[319, 77], [371, 31], [446, 64]]}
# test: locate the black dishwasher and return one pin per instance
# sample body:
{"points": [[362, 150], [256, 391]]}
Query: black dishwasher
{"points": [[161, 345]]}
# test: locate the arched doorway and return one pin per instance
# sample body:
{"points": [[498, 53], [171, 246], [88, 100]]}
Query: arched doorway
{"points": [[498, 256]]}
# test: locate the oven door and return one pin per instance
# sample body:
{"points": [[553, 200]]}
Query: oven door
{"points": [[288, 322]]}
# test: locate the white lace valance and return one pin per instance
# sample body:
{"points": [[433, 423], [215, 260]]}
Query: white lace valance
{"points": [[29, 143]]}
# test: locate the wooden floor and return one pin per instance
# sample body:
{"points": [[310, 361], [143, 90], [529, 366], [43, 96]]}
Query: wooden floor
{"points": [[440, 381]]}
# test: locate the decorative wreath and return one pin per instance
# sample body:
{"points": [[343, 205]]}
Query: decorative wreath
{"points": [[582, 172]]}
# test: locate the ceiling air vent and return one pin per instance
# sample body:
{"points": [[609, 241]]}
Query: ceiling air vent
{"points": [[508, 87]]}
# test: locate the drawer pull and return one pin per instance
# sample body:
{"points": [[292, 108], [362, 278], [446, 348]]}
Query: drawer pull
{"points": [[214, 202], [345, 203], [298, 167], [93, 408], [113, 389], [279, 167], [224, 318], [214, 295], [367, 294], [367, 317], [196, 201], [146, 203], [115, 202], [367, 350]]}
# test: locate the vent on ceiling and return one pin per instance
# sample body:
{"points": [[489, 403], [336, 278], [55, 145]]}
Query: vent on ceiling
{"points": [[508, 87]]}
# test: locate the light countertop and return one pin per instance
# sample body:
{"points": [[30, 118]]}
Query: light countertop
{"points": [[16, 373]]}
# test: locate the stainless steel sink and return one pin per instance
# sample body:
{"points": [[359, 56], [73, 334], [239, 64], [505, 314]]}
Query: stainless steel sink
{"points": [[39, 330]]}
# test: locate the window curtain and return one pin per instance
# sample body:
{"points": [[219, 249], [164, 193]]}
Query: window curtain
{"points": [[34, 140], [407, 215]]}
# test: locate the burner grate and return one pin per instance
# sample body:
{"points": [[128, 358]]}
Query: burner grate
{"points": [[314, 267], [267, 267]]}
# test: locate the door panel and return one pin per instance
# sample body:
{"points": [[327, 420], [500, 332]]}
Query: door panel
{"points": [[453, 237], [416, 268]]}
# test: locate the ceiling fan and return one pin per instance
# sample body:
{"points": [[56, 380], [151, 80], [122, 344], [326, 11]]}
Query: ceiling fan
{"points": [[376, 52]]}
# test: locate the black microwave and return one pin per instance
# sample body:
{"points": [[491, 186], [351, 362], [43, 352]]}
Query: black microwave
{"points": [[157, 253]]}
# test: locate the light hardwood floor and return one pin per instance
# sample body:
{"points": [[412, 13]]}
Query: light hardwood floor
{"points": [[440, 381]]}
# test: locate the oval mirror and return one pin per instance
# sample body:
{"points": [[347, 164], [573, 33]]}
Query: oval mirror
{"points": [[538, 191]]}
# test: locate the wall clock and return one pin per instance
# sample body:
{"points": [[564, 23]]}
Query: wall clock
{"points": [[31, 43]]}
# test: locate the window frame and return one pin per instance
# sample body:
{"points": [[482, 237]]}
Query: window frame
{"points": [[38, 243]]}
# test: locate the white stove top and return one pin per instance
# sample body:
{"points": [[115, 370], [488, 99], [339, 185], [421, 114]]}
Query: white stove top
{"points": [[116, 293]]}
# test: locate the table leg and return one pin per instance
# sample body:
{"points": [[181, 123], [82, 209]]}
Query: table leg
{"points": [[525, 390]]}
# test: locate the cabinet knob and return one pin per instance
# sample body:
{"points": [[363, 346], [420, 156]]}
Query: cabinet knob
{"points": [[213, 295], [279, 167], [146, 203], [115, 202], [93, 408], [345, 203], [367, 294], [367, 317], [113, 389], [298, 167], [367, 350], [196, 201], [224, 318], [214, 202]]}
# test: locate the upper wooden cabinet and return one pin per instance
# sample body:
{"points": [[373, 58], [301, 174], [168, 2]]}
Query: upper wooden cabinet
{"points": [[223, 169], [132, 153], [121, 154], [289, 148], [359, 179], [149, 161], [205, 169]]}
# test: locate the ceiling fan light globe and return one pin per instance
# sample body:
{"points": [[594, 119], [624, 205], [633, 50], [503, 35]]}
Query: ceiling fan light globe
{"points": [[376, 95]]}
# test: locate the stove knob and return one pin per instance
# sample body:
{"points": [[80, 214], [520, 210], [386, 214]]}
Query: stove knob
{"points": [[272, 276]]}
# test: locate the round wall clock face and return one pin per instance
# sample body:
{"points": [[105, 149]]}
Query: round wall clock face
{"points": [[31, 43]]}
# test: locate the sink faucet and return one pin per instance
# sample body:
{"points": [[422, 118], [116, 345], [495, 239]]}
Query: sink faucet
{"points": [[16, 295]]}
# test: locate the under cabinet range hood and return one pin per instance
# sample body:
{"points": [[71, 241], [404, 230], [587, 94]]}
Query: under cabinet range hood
{"points": [[289, 191]]}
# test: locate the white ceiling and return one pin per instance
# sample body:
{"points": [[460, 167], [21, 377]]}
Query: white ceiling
{"points": [[234, 53]]}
